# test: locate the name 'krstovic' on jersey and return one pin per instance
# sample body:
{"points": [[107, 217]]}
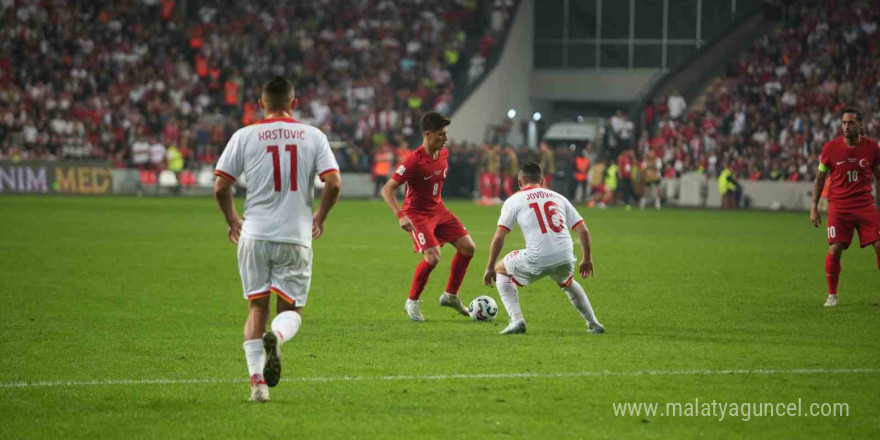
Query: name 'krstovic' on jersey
{"points": [[279, 158], [545, 218]]}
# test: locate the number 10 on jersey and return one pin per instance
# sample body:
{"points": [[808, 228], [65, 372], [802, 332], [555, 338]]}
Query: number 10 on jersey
{"points": [[276, 165]]}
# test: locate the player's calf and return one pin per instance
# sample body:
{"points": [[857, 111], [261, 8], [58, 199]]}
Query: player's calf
{"points": [[509, 297], [877, 251], [284, 327], [832, 273], [579, 300]]}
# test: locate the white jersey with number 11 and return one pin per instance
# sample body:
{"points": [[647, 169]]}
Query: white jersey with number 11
{"points": [[279, 158]]}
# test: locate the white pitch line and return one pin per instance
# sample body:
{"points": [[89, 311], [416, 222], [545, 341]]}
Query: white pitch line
{"points": [[447, 377]]}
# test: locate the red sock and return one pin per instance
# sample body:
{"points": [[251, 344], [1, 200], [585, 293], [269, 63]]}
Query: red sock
{"points": [[457, 271], [423, 271], [832, 273]]}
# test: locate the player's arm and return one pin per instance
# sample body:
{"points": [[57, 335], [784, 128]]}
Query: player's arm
{"points": [[586, 266], [494, 251], [223, 195], [818, 187], [329, 196], [389, 194], [877, 182]]}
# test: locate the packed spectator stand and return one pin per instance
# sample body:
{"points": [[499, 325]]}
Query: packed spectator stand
{"points": [[778, 103], [125, 80]]}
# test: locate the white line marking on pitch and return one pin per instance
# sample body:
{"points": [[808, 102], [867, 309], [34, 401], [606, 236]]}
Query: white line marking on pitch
{"points": [[71, 383]]}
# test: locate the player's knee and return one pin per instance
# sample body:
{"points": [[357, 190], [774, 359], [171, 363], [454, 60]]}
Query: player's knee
{"points": [[467, 249], [499, 268], [432, 256], [259, 305], [836, 249]]}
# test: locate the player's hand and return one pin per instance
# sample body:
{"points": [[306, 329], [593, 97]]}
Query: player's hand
{"points": [[815, 218], [489, 277], [234, 230], [317, 225], [406, 224], [586, 268]]}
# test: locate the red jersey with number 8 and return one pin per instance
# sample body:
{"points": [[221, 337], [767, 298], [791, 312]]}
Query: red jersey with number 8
{"points": [[424, 177], [849, 169]]}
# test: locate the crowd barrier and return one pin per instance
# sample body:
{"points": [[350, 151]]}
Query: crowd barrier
{"points": [[96, 178], [692, 190]]}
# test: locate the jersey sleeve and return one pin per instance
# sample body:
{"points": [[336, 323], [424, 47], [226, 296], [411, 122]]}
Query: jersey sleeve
{"points": [[231, 163], [508, 215], [876, 154], [325, 161], [572, 217], [405, 171], [825, 158]]}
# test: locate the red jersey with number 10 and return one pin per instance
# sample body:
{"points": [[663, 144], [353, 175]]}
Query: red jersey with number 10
{"points": [[424, 177], [850, 172]]}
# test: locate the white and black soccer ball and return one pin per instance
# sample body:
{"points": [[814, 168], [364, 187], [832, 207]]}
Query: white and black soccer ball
{"points": [[483, 308]]}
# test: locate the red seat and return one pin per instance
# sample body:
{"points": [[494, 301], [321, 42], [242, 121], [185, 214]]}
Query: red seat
{"points": [[187, 178], [148, 178]]}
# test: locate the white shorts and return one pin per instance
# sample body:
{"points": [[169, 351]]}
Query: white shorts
{"points": [[522, 272], [268, 266]]}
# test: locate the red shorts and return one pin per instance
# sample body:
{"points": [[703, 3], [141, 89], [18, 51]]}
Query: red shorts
{"points": [[436, 230], [842, 223]]}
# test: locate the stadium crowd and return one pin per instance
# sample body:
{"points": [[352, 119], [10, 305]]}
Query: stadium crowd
{"points": [[776, 105], [125, 80]]}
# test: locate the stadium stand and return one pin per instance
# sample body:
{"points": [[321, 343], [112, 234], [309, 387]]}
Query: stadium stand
{"points": [[90, 79], [778, 103]]}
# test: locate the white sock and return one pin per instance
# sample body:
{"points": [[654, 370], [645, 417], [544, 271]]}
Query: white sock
{"points": [[286, 325], [256, 357], [579, 300], [509, 296]]}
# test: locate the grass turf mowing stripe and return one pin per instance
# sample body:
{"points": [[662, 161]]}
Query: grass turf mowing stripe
{"points": [[448, 376]]}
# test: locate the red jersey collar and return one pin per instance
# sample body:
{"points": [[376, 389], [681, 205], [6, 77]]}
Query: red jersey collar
{"points": [[428, 155], [528, 187]]}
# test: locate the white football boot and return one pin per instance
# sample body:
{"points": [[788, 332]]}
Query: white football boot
{"points": [[514, 327], [259, 389], [595, 328], [413, 310], [453, 301], [832, 301]]}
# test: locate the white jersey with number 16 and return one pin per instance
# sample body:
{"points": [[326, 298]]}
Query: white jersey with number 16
{"points": [[545, 218], [279, 158]]}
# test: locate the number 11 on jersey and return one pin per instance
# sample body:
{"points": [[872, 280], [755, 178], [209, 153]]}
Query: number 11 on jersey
{"points": [[276, 165]]}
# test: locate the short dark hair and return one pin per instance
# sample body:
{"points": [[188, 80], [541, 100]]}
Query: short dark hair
{"points": [[857, 112], [433, 121], [531, 172], [277, 93]]}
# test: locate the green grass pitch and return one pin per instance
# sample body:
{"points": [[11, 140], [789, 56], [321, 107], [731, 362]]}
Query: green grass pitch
{"points": [[122, 318]]}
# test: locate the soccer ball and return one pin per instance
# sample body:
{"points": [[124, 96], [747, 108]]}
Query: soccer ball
{"points": [[483, 308]]}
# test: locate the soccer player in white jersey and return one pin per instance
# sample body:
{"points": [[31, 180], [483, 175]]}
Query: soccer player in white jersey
{"points": [[280, 158], [545, 217]]}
